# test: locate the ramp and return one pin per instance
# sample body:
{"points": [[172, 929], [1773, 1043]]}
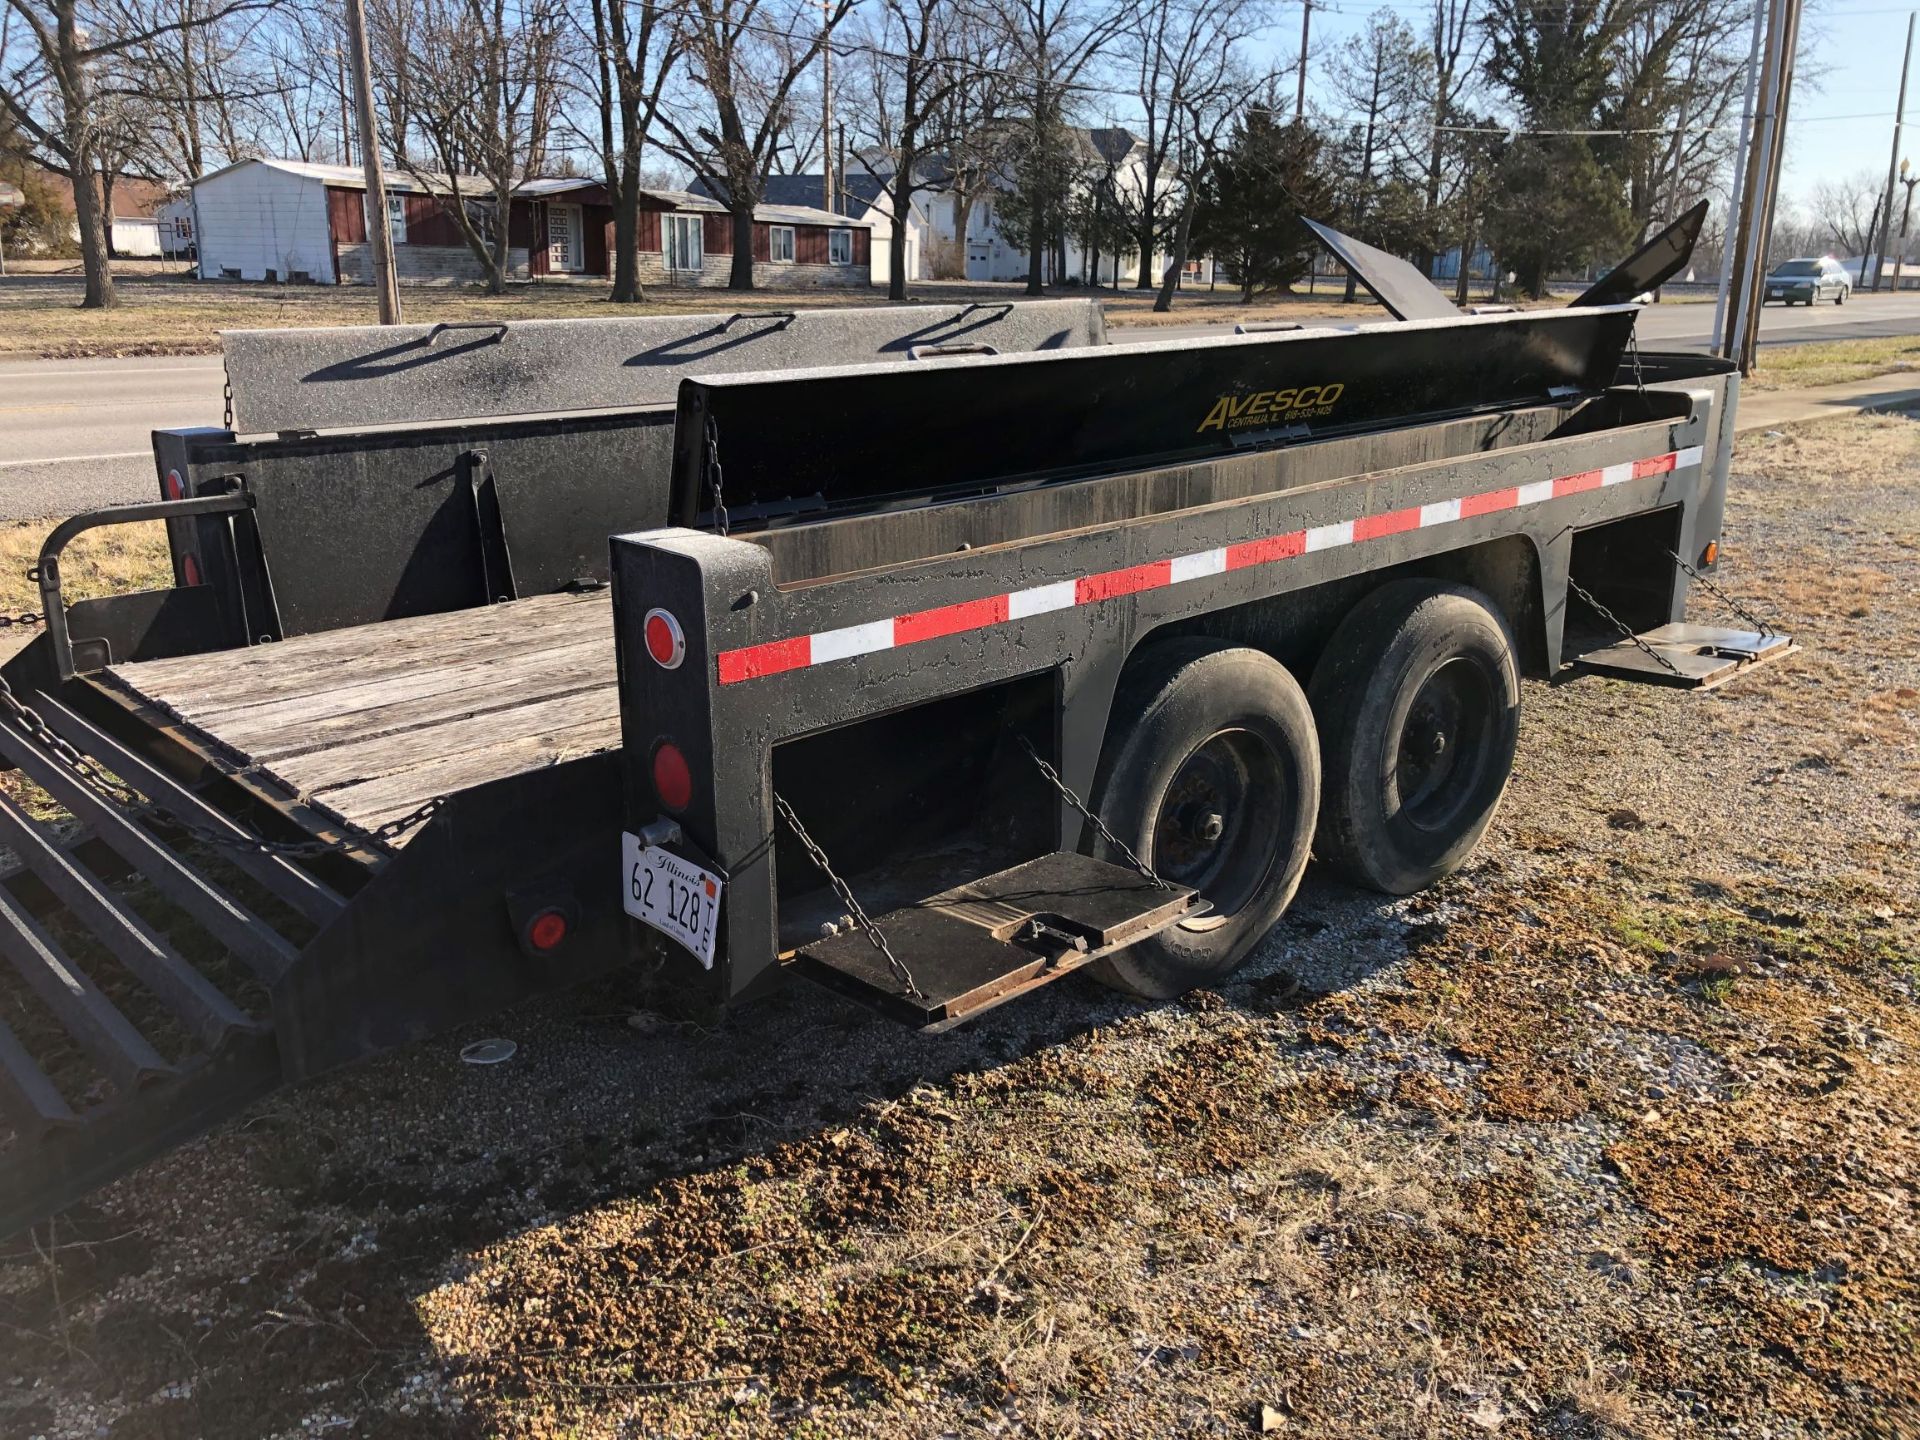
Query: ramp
{"points": [[135, 972]]}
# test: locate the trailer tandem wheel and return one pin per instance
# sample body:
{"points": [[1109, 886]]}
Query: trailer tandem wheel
{"points": [[1417, 698], [1211, 772]]}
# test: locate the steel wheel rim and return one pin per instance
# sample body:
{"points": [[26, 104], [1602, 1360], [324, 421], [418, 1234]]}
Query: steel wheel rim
{"points": [[1216, 823], [1443, 748]]}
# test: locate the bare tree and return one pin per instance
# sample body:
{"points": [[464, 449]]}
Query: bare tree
{"points": [[1382, 74], [1204, 121], [51, 63], [921, 55], [1680, 68], [470, 90], [635, 48], [745, 58], [1182, 53], [1455, 41], [187, 96], [1842, 215], [1056, 44]]}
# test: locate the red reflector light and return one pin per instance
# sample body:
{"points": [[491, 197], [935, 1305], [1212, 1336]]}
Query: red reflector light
{"points": [[190, 567], [174, 488], [546, 930], [666, 642], [672, 780]]}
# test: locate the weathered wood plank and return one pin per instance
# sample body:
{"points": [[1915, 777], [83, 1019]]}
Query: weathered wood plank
{"points": [[372, 802], [213, 686], [317, 771], [414, 700]]}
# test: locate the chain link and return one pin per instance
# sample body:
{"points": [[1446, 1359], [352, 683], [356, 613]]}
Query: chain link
{"points": [[226, 395], [720, 521], [1724, 598], [123, 796], [1053, 778], [1614, 620], [847, 898], [7, 622]]}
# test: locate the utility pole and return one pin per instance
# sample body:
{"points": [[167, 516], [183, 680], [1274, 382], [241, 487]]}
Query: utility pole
{"points": [[379, 235], [1300, 94], [1906, 217], [826, 102], [1739, 197], [1761, 184], [1893, 159]]}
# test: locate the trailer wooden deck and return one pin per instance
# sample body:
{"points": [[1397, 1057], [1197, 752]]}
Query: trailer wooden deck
{"points": [[370, 722]]}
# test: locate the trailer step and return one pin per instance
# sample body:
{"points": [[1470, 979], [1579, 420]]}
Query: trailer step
{"points": [[982, 943], [1697, 657]]}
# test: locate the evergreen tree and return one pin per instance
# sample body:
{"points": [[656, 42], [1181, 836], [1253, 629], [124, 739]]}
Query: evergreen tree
{"points": [[1557, 199], [1251, 200]]}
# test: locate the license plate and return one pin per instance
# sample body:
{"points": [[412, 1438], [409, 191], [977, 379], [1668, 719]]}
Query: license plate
{"points": [[675, 896]]}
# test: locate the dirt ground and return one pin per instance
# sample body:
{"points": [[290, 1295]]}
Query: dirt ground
{"points": [[1613, 1135]]}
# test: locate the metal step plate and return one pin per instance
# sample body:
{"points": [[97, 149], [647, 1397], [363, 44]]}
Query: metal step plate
{"points": [[980, 944], [1698, 657]]}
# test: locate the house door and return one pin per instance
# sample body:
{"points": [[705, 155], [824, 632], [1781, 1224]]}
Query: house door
{"points": [[683, 242], [566, 241]]}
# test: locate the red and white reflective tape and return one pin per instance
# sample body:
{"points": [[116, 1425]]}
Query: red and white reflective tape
{"points": [[775, 656]]}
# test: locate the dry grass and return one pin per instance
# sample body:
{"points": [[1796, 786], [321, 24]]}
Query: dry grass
{"points": [[109, 561], [1790, 367]]}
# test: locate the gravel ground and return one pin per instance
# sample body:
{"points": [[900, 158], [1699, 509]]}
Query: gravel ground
{"points": [[1611, 1135]]}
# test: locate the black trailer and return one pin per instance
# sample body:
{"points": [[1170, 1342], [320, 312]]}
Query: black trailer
{"points": [[930, 681]]}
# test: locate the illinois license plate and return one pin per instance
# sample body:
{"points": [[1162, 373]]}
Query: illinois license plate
{"points": [[675, 896]]}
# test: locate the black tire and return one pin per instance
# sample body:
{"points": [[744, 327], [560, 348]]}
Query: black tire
{"points": [[1211, 773], [1417, 697], [1841, 298]]}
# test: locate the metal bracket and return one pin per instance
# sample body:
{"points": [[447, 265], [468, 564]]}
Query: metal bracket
{"points": [[47, 572], [490, 531]]}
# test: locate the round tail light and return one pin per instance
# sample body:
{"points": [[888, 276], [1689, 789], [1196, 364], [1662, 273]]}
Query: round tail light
{"points": [[547, 930], [672, 780], [190, 567], [666, 641], [174, 488]]}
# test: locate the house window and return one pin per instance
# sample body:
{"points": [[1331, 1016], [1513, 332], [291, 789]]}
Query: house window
{"points": [[397, 218], [682, 236], [780, 243], [839, 247]]}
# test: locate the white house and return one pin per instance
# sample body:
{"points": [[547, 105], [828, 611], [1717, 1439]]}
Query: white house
{"points": [[1116, 156]]}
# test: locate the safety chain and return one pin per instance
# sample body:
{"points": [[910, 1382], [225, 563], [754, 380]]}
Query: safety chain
{"points": [[1053, 778], [713, 477], [118, 793], [226, 393], [1633, 352], [7, 622], [1724, 598], [847, 897], [1614, 620]]}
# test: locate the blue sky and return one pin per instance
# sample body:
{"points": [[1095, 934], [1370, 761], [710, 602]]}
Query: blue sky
{"points": [[1841, 121]]}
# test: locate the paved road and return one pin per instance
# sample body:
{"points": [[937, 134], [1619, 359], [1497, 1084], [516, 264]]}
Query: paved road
{"points": [[1690, 326], [74, 433]]}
